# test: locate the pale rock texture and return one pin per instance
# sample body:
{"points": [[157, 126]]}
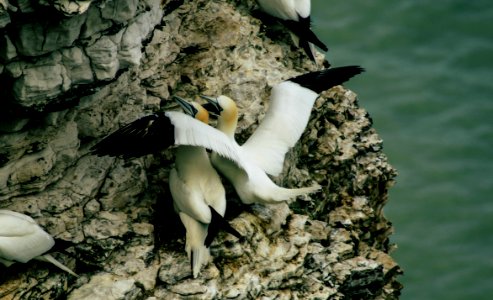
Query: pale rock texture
{"points": [[106, 37], [73, 71]]}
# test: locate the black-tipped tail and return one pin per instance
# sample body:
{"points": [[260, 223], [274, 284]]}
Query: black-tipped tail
{"points": [[218, 223], [320, 81]]}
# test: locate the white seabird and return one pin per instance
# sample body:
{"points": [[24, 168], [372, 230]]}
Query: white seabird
{"points": [[295, 15], [21, 240], [291, 103], [198, 194]]}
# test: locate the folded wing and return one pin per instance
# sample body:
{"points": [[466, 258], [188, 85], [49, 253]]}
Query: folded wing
{"points": [[21, 239]]}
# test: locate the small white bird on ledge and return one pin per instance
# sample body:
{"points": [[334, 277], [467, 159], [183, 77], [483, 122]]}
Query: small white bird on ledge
{"points": [[21, 240]]}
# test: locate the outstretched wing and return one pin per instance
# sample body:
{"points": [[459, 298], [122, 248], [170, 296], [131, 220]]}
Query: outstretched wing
{"points": [[189, 131], [320, 81], [291, 103], [282, 126], [146, 135], [159, 131], [302, 29]]}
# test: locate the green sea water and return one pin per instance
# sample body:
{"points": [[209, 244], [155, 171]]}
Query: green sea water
{"points": [[429, 90]]}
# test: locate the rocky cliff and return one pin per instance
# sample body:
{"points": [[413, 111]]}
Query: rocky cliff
{"points": [[73, 71]]}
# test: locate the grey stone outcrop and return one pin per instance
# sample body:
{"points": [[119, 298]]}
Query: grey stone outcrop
{"points": [[73, 71]]}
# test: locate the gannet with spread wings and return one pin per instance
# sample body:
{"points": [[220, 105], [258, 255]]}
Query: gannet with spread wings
{"points": [[291, 103]]}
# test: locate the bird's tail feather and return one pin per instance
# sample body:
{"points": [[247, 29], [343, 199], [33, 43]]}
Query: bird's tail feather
{"points": [[194, 245], [199, 257], [287, 194], [51, 259]]}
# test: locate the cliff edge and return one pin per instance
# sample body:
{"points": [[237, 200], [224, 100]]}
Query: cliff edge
{"points": [[73, 71]]}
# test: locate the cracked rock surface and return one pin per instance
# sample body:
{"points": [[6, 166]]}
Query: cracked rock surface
{"points": [[73, 71]]}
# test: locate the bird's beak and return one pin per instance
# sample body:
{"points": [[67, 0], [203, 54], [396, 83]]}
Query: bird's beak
{"points": [[187, 107], [212, 106]]}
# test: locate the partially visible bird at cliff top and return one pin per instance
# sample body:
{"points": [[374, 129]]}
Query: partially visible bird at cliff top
{"points": [[291, 103], [295, 15], [21, 240], [198, 195]]}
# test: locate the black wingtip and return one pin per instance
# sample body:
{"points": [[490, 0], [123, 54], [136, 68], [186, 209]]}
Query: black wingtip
{"points": [[302, 29], [308, 50], [218, 223], [320, 81], [143, 136]]}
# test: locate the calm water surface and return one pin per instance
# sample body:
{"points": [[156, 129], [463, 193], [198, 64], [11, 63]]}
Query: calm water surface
{"points": [[429, 89]]}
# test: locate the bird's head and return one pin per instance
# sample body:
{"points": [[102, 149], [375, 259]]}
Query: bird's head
{"points": [[226, 111], [193, 109], [222, 107]]}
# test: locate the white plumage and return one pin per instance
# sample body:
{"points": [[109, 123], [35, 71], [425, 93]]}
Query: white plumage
{"points": [[159, 131], [289, 110], [21, 240], [291, 103], [198, 194], [191, 132], [295, 15], [286, 9], [252, 183], [196, 187]]}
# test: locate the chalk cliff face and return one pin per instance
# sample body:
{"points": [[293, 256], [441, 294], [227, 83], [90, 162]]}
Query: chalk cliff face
{"points": [[73, 71]]}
